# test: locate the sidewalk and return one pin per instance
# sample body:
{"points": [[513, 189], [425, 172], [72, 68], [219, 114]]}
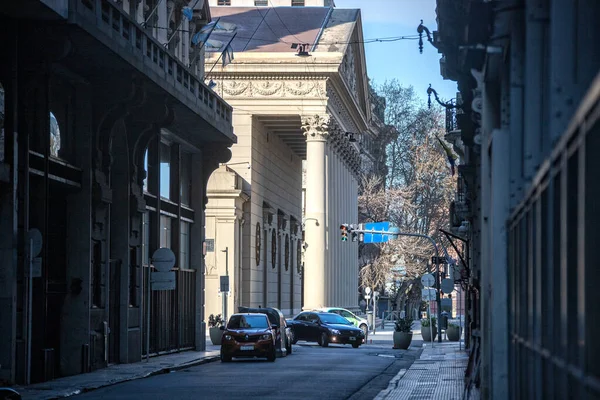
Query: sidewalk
{"points": [[437, 374], [72, 385]]}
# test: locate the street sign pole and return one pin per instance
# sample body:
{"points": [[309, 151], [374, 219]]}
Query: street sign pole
{"points": [[163, 260], [385, 235], [224, 292]]}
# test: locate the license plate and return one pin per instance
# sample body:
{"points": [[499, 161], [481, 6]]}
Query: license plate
{"points": [[245, 348], [352, 338]]}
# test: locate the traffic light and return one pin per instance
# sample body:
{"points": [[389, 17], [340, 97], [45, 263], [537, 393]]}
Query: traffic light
{"points": [[344, 230], [354, 234]]}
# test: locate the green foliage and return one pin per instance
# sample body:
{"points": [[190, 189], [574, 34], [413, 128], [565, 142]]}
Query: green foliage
{"points": [[425, 321], [453, 326], [404, 325], [215, 321]]}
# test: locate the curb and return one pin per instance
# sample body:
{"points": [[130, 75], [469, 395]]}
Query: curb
{"points": [[161, 371]]}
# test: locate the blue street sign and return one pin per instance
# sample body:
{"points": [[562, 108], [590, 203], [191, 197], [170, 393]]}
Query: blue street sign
{"points": [[376, 237]]}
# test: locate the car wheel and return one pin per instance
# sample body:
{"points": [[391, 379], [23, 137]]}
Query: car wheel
{"points": [[288, 346], [324, 340], [294, 338], [225, 358], [355, 345], [272, 356]]}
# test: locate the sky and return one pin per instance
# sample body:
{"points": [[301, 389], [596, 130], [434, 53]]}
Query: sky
{"points": [[401, 60]]}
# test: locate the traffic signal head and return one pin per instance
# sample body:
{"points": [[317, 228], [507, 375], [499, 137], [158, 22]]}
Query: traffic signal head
{"points": [[344, 231]]}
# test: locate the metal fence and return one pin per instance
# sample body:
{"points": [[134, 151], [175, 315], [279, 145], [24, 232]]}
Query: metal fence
{"points": [[553, 238], [172, 318]]}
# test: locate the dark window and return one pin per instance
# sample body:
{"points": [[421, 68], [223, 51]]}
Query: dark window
{"points": [[262, 3], [133, 270], [224, 2], [184, 245], [186, 181], [97, 275], [297, 3]]}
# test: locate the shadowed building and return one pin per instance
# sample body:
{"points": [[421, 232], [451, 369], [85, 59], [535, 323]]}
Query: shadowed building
{"points": [[109, 137]]}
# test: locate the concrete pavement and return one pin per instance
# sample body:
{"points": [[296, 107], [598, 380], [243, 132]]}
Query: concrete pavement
{"points": [[437, 374], [72, 385]]}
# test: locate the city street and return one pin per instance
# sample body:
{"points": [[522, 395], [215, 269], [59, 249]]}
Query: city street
{"points": [[336, 372]]}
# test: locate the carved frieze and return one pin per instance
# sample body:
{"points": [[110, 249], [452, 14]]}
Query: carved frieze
{"points": [[271, 87], [267, 88]]}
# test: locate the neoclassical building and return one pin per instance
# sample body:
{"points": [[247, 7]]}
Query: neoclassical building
{"points": [[277, 206]]}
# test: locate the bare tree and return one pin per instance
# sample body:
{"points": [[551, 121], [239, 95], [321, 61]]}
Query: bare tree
{"points": [[415, 198]]}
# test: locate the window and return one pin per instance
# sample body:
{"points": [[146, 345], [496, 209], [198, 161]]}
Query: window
{"points": [[261, 3], [186, 182], [165, 231], [54, 136], [224, 2], [146, 169], [165, 171], [297, 3], [184, 245], [145, 238]]}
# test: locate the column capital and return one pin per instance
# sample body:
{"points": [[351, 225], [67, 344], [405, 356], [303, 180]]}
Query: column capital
{"points": [[316, 127]]}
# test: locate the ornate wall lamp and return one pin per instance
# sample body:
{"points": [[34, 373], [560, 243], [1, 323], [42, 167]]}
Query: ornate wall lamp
{"points": [[448, 105], [420, 29]]}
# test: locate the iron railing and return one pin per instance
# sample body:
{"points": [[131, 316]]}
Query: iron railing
{"points": [[172, 315], [552, 242]]}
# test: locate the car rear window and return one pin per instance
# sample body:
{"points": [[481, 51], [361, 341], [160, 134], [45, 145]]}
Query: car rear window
{"points": [[247, 322]]}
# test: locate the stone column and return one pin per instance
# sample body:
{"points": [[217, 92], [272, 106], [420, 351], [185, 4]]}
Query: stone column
{"points": [[316, 130]]}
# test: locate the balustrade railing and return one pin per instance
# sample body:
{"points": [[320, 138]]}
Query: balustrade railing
{"points": [[110, 18]]}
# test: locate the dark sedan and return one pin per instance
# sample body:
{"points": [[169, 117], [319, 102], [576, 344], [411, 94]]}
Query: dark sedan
{"points": [[325, 328]]}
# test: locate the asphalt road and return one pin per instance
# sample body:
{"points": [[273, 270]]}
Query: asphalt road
{"points": [[311, 372]]}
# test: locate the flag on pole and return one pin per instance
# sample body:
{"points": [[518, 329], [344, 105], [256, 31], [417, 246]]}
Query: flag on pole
{"points": [[204, 33], [227, 53], [449, 154], [188, 13]]}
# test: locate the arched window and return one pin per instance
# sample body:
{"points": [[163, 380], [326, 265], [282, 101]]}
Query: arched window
{"points": [[54, 136]]}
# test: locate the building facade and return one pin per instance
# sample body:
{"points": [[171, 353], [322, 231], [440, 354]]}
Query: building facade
{"points": [[528, 126], [300, 122], [109, 136], [273, 3]]}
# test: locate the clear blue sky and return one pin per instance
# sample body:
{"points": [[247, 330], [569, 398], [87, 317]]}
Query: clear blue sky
{"points": [[401, 60]]}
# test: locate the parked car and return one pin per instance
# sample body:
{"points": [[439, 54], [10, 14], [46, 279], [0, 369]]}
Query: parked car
{"points": [[248, 335], [325, 328], [350, 316], [283, 343]]}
